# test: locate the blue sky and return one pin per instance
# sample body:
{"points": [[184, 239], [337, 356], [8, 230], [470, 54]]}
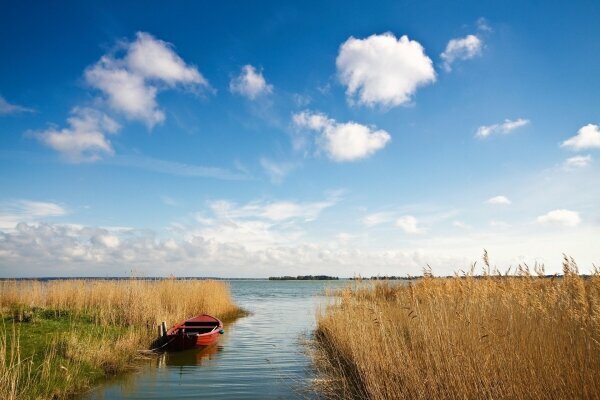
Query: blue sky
{"points": [[267, 139]]}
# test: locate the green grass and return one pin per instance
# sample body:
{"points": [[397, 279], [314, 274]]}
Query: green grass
{"points": [[43, 345]]}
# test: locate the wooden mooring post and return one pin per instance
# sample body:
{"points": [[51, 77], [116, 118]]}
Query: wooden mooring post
{"points": [[162, 330]]}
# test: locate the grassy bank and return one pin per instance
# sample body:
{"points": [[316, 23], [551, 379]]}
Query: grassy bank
{"points": [[524, 337], [61, 337]]}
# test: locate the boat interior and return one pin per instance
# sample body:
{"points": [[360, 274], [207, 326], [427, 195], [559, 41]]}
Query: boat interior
{"points": [[199, 327]]}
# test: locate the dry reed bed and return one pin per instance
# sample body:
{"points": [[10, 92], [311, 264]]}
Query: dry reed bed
{"points": [[124, 303], [122, 318], [519, 337]]}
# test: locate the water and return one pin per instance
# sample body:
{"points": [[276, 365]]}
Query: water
{"points": [[261, 356]]}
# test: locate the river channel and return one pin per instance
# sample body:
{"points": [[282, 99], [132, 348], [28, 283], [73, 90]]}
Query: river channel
{"points": [[261, 356]]}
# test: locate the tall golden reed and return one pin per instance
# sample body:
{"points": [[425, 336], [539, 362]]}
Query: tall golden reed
{"points": [[490, 337], [130, 302], [123, 314]]}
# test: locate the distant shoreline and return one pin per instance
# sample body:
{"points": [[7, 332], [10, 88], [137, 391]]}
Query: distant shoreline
{"points": [[124, 278], [304, 278], [271, 278]]}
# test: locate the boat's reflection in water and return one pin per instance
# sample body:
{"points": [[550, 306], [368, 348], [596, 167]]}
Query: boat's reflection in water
{"points": [[192, 357]]}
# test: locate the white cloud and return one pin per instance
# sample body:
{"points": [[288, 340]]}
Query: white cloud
{"points": [[131, 83], [127, 92], [560, 217], [277, 171], [249, 251], [377, 218], [275, 211], [505, 127], [499, 200], [461, 49], [383, 70], [257, 225], [408, 224], [41, 209], [108, 241], [8, 108], [347, 141], [588, 137], [577, 162], [13, 212], [250, 83], [155, 59], [85, 138], [46, 249], [240, 241], [252, 235]]}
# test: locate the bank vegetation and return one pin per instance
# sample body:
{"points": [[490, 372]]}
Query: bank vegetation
{"points": [[63, 336], [518, 336]]}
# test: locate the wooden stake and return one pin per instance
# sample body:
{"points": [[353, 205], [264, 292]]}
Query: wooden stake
{"points": [[163, 326]]}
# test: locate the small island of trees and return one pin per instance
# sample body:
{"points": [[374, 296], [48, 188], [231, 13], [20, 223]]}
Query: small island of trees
{"points": [[304, 278]]}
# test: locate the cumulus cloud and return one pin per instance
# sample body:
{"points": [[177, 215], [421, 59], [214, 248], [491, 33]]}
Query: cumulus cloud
{"points": [[69, 250], [588, 137], [560, 217], [461, 49], [577, 162], [35, 243], [131, 82], [383, 70], [13, 212], [63, 250], [250, 83], [256, 239], [265, 238], [7, 108], [86, 137], [346, 141], [504, 128], [152, 58], [126, 91], [408, 224], [499, 200], [106, 240]]}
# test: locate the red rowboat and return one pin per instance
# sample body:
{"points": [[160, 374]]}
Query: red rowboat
{"points": [[201, 330]]}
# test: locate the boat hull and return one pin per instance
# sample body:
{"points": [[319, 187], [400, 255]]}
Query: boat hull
{"points": [[200, 331]]}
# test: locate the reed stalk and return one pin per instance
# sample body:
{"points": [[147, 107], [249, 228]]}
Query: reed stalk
{"points": [[487, 337]]}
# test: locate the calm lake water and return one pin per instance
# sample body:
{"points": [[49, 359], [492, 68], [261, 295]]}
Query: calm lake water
{"points": [[259, 357]]}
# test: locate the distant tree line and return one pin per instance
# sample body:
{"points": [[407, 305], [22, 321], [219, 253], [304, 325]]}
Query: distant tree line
{"points": [[387, 278], [304, 278]]}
